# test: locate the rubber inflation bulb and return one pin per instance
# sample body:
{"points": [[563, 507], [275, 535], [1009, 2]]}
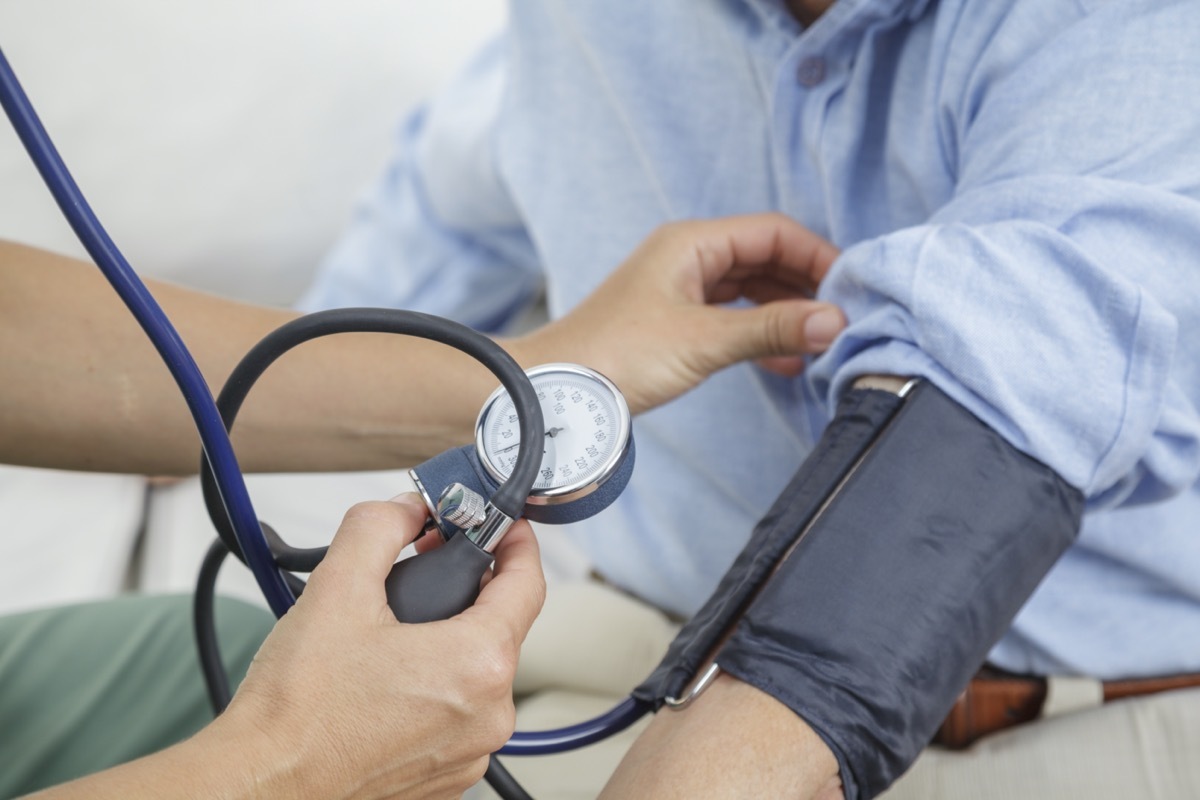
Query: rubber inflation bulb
{"points": [[437, 584]]}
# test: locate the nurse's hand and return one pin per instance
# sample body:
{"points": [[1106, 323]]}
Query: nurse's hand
{"points": [[655, 327], [360, 705], [342, 701]]}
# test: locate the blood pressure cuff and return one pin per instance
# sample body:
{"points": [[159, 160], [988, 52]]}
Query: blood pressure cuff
{"points": [[876, 585]]}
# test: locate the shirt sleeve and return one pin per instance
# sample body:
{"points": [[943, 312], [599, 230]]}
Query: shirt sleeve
{"points": [[1056, 295], [438, 232]]}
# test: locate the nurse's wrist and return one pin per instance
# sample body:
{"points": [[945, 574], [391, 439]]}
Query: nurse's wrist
{"points": [[251, 761]]}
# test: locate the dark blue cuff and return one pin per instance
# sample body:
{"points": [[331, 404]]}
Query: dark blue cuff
{"points": [[892, 599], [875, 586]]}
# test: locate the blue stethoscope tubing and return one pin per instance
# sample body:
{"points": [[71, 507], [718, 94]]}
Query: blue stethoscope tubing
{"points": [[214, 437]]}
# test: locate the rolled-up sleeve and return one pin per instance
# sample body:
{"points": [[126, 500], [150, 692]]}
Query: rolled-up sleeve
{"points": [[438, 232], [1057, 294]]}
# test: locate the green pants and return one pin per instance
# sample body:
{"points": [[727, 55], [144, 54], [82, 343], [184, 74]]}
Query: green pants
{"points": [[89, 686]]}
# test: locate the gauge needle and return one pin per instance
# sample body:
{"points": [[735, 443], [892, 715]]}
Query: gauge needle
{"points": [[551, 433]]}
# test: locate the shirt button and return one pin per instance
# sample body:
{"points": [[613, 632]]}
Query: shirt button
{"points": [[811, 71]]}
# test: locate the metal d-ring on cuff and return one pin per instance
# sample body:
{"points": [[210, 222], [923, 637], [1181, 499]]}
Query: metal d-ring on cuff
{"points": [[706, 680]]}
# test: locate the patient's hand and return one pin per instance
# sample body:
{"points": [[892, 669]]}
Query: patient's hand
{"points": [[654, 326]]}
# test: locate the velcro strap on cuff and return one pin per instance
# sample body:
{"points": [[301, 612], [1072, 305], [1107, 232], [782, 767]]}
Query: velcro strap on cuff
{"points": [[860, 418]]}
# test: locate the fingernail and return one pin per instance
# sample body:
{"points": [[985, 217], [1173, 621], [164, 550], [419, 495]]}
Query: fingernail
{"points": [[821, 328], [409, 499]]}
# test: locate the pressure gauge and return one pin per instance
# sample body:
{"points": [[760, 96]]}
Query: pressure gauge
{"points": [[587, 450], [586, 439]]}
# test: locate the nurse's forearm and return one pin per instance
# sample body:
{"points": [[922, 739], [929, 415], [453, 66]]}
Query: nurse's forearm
{"points": [[84, 388], [206, 765]]}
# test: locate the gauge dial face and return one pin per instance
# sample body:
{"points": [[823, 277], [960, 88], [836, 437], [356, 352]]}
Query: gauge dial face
{"points": [[587, 432]]}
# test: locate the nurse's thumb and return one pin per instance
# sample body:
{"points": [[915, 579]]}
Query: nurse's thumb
{"points": [[779, 335], [783, 330]]}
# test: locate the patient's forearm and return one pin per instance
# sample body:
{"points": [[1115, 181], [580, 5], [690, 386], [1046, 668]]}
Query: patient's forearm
{"points": [[732, 742], [84, 388]]}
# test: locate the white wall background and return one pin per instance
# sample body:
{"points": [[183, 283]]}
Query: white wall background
{"points": [[224, 141]]}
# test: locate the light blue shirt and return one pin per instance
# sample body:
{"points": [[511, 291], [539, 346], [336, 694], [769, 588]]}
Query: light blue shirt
{"points": [[1016, 190]]}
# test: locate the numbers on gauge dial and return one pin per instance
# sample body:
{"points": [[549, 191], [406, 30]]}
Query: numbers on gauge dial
{"points": [[583, 431]]}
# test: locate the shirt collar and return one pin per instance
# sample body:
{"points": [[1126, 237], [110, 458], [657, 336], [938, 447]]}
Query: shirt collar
{"points": [[842, 14]]}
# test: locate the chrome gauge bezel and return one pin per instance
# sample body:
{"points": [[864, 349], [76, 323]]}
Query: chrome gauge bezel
{"points": [[583, 487]]}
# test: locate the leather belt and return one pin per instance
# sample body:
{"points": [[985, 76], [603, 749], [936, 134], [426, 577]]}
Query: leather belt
{"points": [[995, 700]]}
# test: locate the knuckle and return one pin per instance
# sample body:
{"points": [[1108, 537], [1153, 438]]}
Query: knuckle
{"points": [[778, 332], [485, 678], [459, 777], [495, 668], [474, 771], [488, 699], [497, 725]]}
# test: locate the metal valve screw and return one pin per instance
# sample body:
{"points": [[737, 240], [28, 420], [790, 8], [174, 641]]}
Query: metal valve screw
{"points": [[461, 506]]}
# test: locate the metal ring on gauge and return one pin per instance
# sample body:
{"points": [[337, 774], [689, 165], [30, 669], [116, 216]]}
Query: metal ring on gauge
{"points": [[593, 414]]}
